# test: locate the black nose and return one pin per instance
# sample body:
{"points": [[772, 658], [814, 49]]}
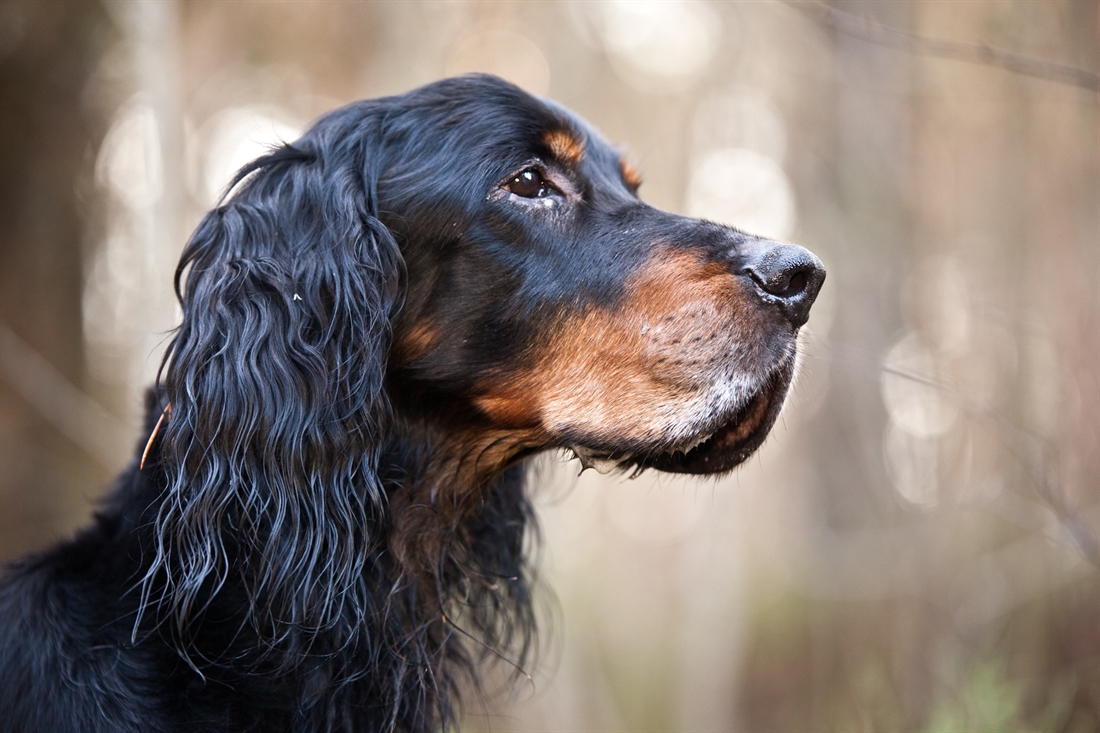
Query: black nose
{"points": [[788, 274]]}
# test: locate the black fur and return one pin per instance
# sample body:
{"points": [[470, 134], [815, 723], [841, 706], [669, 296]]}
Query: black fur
{"points": [[328, 532]]}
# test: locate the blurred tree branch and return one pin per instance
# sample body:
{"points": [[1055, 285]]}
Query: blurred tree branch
{"points": [[862, 26], [68, 408], [1029, 450]]}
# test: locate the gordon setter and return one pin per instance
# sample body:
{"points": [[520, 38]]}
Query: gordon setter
{"points": [[324, 525]]}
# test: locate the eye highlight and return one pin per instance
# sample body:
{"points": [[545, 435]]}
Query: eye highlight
{"points": [[529, 184]]}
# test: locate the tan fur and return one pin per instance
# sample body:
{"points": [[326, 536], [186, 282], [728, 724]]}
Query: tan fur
{"points": [[415, 342], [566, 147], [626, 370], [630, 174]]}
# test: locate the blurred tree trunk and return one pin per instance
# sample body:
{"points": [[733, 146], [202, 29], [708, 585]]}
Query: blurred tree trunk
{"points": [[48, 52]]}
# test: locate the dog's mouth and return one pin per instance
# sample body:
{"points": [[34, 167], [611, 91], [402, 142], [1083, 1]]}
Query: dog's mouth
{"points": [[712, 451]]}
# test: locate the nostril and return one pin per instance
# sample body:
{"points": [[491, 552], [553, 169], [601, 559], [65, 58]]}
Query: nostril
{"points": [[796, 283]]}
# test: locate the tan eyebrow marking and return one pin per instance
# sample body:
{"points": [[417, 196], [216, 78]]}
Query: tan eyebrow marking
{"points": [[630, 174], [565, 146]]}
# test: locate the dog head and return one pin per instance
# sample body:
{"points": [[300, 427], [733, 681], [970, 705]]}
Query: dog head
{"points": [[468, 268], [548, 306]]}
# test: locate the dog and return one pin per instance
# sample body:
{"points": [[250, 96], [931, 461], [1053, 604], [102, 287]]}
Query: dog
{"points": [[324, 525]]}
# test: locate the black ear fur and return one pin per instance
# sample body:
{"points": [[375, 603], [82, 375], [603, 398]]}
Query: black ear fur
{"points": [[275, 381]]}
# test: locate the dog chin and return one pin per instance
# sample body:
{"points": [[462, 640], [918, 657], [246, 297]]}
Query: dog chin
{"points": [[714, 450]]}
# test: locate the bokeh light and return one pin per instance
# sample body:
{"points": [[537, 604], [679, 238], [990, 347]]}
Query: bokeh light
{"points": [[503, 52], [742, 188], [233, 137], [656, 44], [129, 162]]}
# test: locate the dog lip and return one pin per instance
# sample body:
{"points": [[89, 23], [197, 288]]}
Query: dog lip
{"points": [[605, 462], [737, 437]]}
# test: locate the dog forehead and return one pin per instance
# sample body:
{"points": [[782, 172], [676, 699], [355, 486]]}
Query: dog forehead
{"points": [[481, 123], [552, 134], [481, 103], [508, 114]]}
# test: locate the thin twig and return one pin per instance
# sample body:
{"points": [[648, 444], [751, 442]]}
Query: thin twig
{"points": [[861, 26]]}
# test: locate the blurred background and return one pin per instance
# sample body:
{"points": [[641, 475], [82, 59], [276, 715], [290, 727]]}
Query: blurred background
{"points": [[915, 546]]}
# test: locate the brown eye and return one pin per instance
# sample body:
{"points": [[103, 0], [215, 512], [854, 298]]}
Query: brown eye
{"points": [[528, 184]]}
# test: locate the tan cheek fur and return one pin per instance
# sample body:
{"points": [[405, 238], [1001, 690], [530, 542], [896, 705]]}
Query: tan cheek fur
{"points": [[625, 371]]}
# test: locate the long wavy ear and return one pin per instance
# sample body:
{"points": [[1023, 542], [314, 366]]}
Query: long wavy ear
{"points": [[275, 382]]}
